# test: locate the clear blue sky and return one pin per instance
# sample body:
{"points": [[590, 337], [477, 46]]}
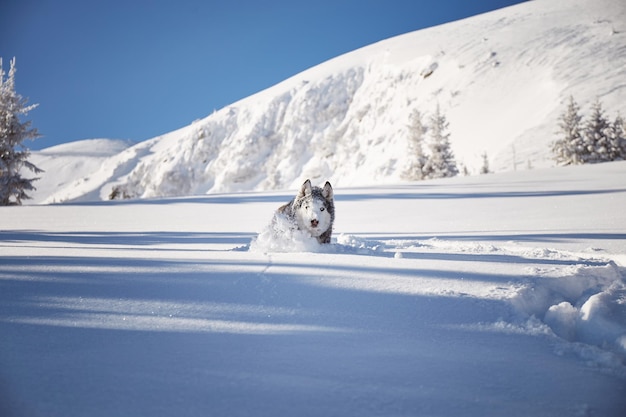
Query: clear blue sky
{"points": [[135, 69]]}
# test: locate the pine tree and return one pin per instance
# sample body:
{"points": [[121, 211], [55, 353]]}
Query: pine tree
{"points": [[13, 154], [617, 140], [485, 168], [568, 147], [441, 162], [417, 159], [595, 136]]}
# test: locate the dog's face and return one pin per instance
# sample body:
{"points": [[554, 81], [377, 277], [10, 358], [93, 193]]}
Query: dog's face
{"points": [[313, 208]]}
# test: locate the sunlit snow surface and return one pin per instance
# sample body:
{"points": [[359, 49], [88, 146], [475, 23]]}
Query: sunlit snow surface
{"points": [[474, 296], [494, 295]]}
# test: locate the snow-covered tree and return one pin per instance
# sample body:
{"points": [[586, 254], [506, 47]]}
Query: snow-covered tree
{"points": [[597, 140], [485, 168], [417, 159], [566, 149], [595, 136], [441, 162], [617, 140], [13, 154]]}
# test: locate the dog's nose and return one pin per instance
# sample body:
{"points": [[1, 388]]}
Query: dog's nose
{"points": [[314, 222]]}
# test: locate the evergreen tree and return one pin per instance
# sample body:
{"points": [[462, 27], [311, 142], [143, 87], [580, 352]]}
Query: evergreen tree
{"points": [[597, 140], [417, 159], [13, 154], [485, 168], [617, 140], [567, 148], [595, 136], [441, 162]]}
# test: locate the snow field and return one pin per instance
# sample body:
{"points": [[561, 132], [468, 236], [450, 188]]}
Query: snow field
{"points": [[579, 296], [491, 295]]}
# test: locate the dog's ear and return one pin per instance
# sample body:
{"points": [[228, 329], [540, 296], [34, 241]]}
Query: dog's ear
{"points": [[305, 190], [327, 192]]}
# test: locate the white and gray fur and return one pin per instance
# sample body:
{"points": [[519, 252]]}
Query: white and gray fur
{"points": [[313, 210]]}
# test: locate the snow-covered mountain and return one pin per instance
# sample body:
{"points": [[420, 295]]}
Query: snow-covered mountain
{"points": [[501, 79]]}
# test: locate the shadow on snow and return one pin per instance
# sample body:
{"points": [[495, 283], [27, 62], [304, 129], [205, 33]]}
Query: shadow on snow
{"points": [[125, 239], [67, 348]]}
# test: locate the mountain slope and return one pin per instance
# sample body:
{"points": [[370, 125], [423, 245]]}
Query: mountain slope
{"points": [[501, 79], [71, 165]]}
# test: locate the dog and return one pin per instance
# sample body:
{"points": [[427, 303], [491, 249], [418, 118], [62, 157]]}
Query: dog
{"points": [[312, 210]]}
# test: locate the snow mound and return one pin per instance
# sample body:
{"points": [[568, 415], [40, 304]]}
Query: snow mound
{"points": [[598, 321], [281, 235], [582, 302]]}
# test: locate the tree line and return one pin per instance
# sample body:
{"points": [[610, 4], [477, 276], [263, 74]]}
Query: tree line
{"points": [[590, 140], [440, 161]]}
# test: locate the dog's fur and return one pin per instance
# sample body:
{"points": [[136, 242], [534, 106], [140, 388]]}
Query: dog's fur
{"points": [[312, 210]]}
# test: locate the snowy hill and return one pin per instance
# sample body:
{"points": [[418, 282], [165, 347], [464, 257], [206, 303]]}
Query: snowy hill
{"points": [[70, 165], [501, 79], [492, 295]]}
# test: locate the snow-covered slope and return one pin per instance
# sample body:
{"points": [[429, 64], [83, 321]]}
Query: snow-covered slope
{"points": [[501, 80], [493, 295], [70, 165]]}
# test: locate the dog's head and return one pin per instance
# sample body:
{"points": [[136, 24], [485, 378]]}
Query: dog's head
{"points": [[314, 208]]}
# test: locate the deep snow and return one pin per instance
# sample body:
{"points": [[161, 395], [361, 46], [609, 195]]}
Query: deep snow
{"points": [[500, 294], [497, 295], [501, 79]]}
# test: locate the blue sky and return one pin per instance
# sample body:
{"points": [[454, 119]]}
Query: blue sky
{"points": [[130, 69]]}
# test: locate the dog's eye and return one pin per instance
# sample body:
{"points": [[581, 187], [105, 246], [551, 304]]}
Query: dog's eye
{"points": [[322, 209]]}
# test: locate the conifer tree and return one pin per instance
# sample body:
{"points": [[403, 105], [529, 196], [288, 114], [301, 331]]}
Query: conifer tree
{"points": [[13, 154], [617, 140], [595, 136], [441, 162], [485, 168], [567, 148], [417, 159]]}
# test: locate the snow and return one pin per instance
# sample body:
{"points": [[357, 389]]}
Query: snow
{"points": [[70, 165], [501, 294], [501, 80]]}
